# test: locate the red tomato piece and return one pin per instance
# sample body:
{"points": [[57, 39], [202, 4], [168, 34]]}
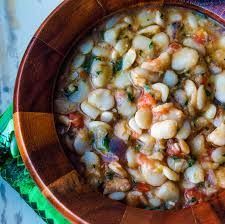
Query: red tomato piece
{"points": [[146, 100], [77, 120], [142, 187]]}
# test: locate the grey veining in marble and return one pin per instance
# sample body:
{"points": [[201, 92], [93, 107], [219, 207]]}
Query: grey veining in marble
{"points": [[19, 19]]}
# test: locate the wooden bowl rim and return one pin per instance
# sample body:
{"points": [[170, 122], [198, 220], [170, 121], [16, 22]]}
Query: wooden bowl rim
{"points": [[20, 131]]}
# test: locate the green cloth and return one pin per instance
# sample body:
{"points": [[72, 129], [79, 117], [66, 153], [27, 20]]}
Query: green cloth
{"points": [[12, 169]]}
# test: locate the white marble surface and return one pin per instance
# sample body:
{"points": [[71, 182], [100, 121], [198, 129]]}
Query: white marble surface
{"points": [[19, 19]]}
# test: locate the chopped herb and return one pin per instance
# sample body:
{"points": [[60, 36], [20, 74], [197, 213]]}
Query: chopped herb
{"points": [[186, 103], [70, 90], [208, 93], [101, 33], [147, 88], [88, 62], [200, 15], [161, 16], [191, 162], [105, 142], [130, 97], [93, 165], [175, 158], [192, 200], [109, 175], [98, 72], [201, 184], [137, 147], [117, 66], [223, 155], [150, 45]]}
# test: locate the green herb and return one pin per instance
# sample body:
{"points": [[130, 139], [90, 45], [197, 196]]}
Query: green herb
{"points": [[175, 158], [70, 90], [150, 45], [88, 62], [130, 97], [186, 103], [105, 142], [147, 88], [201, 184], [200, 15], [137, 147], [93, 166], [117, 66], [193, 200], [98, 72], [223, 155], [101, 33], [161, 16], [208, 93], [109, 175], [191, 162]]}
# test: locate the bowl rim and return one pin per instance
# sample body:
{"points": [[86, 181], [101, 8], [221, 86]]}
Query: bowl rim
{"points": [[20, 130]]}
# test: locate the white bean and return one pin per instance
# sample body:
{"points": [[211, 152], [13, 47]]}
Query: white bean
{"points": [[197, 145], [210, 112], [194, 174], [160, 129], [220, 175], [218, 155], [184, 59], [191, 21], [184, 146], [136, 175], [145, 18], [140, 76], [158, 18], [134, 126], [168, 192], [170, 78], [177, 164], [161, 40], [143, 118], [129, 59], [170, 174], [101, 51], [150, 30], [219, 81], [122, 46], [190, 87], [117, 196], [90, 159], [141, 42], [101, 73], [106, 116], [111, 35], [122, 80], [201, 97], [118, 169], [180, 96], [102, 99], [87, 46], [217, 137], [90, 110], [94, 125], [78, 60], [163, 89], [131, 157], [189, 42], [121, 130], [184, 131], [148, 140], [154, 178]]}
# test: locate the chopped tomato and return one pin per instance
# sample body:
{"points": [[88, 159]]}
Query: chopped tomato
{"points": [[173, 47], [76, 119], [142, 187], [200, 37], [193, 195], [172, 148], [135, 135], [143, 159], [146, 100]]}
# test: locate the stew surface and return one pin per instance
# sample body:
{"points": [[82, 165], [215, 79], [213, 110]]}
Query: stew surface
{"points": [[141, 106]]}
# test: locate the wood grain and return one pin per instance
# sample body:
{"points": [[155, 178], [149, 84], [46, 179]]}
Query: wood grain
{"points": [[35, 128]]}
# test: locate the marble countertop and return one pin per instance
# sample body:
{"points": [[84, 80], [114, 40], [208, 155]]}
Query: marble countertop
{"points": [[19, 19]]}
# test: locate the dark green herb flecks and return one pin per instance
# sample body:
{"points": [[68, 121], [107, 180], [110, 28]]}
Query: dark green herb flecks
{"points": [[109, 175], [70, 90], [208, 93], [137, 147], [98, 72], [191, 162], [193, 200], [105, 143], [147, 88], [88, 62], [150, 46], [130, 97], [101, 33], [117, 66], [175, 158]]}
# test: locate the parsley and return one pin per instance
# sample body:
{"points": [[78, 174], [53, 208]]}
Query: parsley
{"points": [[175, 158], [101, 33], [130, 97], [208, 93], [193, 200], [191, 162], [88, 62], [105, 142], [223, 155], [70, 90], [109, 175], [98, 72], [150, 45], [137, 147], [147, 88], [117, 66]]}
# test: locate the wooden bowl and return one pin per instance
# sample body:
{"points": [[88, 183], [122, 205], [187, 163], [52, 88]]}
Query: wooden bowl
{"points": [[34, 121]]}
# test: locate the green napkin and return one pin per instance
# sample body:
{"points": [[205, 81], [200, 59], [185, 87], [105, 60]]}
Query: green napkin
{"points": [[12, 169]]}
